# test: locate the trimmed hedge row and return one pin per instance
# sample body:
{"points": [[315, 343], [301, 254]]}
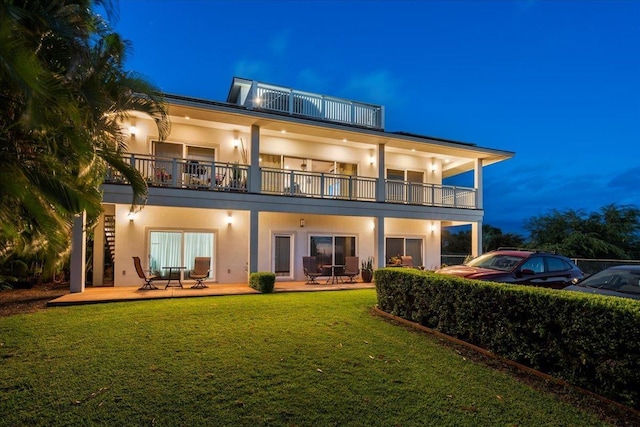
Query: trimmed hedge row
{"points": [[590, 341], [263, 282]]}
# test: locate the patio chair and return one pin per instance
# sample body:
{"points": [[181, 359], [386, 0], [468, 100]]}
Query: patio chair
{"points": [[351, 268], [201, 271], [148, 278], [311, 269]]}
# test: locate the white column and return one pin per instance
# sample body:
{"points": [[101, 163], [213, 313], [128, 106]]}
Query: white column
{"points": [[476, 238], [433, 257], [255, 184], [253, 241], [477, 183], [380, 196], [98, 253], [380, 242], [78, 252]]}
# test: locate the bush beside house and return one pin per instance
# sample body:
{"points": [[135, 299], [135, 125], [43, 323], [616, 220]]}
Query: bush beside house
{"points": [[590, 341], [262, 282]]}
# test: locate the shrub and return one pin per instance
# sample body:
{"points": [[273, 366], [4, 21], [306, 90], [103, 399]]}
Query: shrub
{"points": [[263, 282], [591, 341]]}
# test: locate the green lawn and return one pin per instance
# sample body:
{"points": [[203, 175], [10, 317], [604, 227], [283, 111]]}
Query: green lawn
{"points": [[296, 359]]}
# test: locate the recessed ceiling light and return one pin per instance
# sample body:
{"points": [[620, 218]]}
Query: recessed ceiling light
{"points": [[283, 131], [187, 117], [344, 139]]}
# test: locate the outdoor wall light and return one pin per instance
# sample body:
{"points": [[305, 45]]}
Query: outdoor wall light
{"points": [[433, 167], [302, 223], [131, 215], [229, 220], [372, 160], [236, 142], [133, 130], [433, 228]]}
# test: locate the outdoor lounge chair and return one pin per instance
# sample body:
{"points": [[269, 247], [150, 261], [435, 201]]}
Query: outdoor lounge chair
{"points": [[311, 269], [200, 271], [351, 268], [141, 274]]}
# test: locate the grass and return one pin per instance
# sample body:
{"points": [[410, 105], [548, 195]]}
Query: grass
{"points": [[297, 359]]}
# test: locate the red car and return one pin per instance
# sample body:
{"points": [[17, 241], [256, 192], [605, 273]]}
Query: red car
{"points": [[523, 267]]}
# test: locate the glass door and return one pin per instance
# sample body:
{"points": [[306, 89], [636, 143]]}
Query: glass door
{"points": [[282, 251]]}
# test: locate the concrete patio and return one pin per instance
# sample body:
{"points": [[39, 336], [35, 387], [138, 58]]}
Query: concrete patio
{"points": [[96, 295]]}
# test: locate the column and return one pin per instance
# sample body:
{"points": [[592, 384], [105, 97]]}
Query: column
{"points": [[78, 252], [477, 183], [380, 242], [476, 238], [381, 189], [255, 183], [253, 241]]}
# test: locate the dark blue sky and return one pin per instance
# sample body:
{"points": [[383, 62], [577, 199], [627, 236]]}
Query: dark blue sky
{"points": [[557, 82]]}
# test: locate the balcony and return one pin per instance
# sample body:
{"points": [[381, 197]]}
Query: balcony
{"points": [[256, 95], [220, 176]]}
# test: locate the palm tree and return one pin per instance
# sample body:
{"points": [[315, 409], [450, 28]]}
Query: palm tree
{"points": [[63, 94]]}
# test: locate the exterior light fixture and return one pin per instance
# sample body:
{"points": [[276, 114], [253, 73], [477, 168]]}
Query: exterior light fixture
{"points": [[302, 223], [133, 130], [283, 131], [433, 167], [236, 142], [131, 215], [372, 160], [229, 220], [433, 228]]}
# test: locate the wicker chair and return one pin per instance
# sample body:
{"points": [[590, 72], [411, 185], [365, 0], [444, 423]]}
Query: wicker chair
{"points": [[311, 269], [351, 268]]}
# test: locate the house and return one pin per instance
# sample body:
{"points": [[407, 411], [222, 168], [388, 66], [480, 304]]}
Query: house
{"points": [[274, 174]]}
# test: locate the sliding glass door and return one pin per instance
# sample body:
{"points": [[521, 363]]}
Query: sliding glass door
{"points": [[179, 249]]}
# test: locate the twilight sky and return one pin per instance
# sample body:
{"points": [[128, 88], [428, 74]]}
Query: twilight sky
{"points": [[555, 81]]}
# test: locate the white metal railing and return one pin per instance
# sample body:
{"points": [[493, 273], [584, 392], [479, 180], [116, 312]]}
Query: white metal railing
{"points": [[221, 176], [285, 100], [184, 173], [417, 193], [316, 184]]}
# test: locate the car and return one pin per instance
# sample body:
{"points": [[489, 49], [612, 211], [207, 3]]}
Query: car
{"points": [[524, 267], [620, 281]]}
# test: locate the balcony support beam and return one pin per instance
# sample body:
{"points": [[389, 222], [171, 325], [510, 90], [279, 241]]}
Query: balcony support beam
{"points": [[255, 177], [381, 187]]}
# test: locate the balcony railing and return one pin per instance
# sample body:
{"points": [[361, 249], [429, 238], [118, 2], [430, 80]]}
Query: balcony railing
{"points": [[416, 193], [183, 173], [316, 184], [285, 100], [219, 176]]}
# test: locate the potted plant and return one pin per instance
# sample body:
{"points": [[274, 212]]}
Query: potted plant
{"points": [[367, 270]]}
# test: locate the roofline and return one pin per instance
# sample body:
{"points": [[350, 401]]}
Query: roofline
{"points": [[188, 101]]}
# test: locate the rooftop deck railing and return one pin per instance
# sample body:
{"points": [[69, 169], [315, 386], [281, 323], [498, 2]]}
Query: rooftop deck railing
{"points": [[222, 176], [285, 100]]}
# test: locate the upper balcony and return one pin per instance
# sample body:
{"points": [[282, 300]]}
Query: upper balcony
{"points": [[255, 95], [234, 177]]}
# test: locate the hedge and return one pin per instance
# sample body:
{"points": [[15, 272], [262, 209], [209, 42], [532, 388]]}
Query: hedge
{"points": [[262, 282], [591, 341]]}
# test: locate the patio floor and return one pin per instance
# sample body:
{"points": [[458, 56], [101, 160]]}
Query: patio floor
{"points": [[95, 295]]}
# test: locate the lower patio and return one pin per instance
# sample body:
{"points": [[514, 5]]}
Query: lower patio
{"points": [[104, 294]]}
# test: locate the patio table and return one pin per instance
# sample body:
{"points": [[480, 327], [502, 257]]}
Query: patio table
{"points": [[173, 270]]}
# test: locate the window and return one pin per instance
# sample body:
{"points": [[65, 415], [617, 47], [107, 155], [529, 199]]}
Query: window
{"points": [[332, 250], [557, 264], [401, 246], [179, 249]]}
